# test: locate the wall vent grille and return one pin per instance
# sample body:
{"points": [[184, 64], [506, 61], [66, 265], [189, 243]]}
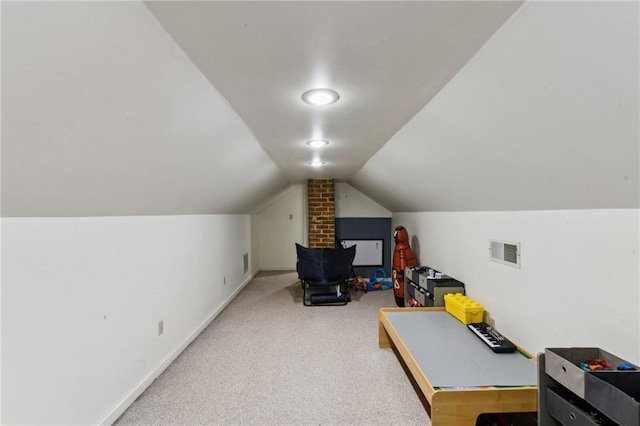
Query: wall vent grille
{"points": [[245, 263], [505, 252]]}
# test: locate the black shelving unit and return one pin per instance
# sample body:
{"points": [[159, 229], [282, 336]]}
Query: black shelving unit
{"points": [[429, 286]]}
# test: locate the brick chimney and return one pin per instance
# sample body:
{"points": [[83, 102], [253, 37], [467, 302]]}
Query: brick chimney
{"points": [[322, 213]]}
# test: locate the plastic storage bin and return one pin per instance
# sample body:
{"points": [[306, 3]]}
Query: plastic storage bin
{"points": [[463, 308], [562, 364]]}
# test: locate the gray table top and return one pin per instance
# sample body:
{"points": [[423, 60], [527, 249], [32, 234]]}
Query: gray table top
{"points": [[451, 356]]}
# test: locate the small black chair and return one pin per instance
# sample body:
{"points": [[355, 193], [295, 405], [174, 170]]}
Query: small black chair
{"points": [[325, 268]]}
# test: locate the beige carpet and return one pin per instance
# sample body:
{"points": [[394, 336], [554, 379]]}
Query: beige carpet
{"points": [[269, 360]]}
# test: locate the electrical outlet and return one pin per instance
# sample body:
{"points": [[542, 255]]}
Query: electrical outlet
{"points": [[160, 327]]}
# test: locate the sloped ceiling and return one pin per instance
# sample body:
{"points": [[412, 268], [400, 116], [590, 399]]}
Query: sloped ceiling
{"points": [[386, 59], [127, 108], [109, 109], [103, 115], [545, 116]]}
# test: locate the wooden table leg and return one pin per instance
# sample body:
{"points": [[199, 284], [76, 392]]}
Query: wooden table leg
{"points": [[384, 341], [444, 412]]}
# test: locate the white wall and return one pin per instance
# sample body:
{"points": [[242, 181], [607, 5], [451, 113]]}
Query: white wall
{"points": [[81, 301], [352, 203], [579, 281], [281, 224], [254, 258], [283, 221]]}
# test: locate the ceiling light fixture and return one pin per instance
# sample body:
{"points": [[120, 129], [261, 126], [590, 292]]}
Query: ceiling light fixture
{"points": [[317, 143], [320, 96], [316, 163]]}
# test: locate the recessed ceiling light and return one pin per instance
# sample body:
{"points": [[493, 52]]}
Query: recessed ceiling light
{"points": [[317, 143], [316, 163], [320, 96]]}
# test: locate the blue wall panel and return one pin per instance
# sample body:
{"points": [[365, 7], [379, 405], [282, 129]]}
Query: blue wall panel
{"points": [[372, 228]]}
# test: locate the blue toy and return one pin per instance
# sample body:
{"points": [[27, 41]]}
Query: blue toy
{"points": [[379, 282], [625, 366]]}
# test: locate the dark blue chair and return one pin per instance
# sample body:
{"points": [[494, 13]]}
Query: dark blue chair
{"points": [[325, 269]]}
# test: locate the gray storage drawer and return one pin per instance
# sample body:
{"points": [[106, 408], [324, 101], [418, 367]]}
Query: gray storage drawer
{"points": [[565, 410], [420, 294], [615, 394], [411, 273], [562, 364]]}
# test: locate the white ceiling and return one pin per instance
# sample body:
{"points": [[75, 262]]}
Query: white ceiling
{"points": [[189, 107], [386, 59]]}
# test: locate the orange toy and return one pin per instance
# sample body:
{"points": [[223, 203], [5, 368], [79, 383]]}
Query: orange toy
{"points": [[402, 257]]}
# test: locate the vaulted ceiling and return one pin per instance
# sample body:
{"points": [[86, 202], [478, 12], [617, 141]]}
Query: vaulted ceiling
{"points": [[387, 60], [182, 107]]}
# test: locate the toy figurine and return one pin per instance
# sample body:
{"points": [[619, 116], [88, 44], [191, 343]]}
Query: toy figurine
{"points": [[402, 257]]}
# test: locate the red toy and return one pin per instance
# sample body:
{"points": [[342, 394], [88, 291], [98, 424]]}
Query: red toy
{"points": [[413, 303], [402, 257]]}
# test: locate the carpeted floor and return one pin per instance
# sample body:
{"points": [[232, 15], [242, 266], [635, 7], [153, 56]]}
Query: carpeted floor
{"points": [[269, 360]]}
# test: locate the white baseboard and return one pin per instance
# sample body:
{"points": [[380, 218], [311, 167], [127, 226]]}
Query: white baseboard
{"points": [[276, 268], [126, 401]]}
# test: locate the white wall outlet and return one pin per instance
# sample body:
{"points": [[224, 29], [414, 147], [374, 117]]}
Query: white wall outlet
{"points": [[489, 319], [160, 327]]}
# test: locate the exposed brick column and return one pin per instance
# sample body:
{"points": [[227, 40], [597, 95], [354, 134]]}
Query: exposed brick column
{"points": [[322, 213]]}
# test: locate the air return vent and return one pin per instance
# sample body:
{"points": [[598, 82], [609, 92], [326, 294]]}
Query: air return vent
{"points": [[245, 263], [505, 252]]}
